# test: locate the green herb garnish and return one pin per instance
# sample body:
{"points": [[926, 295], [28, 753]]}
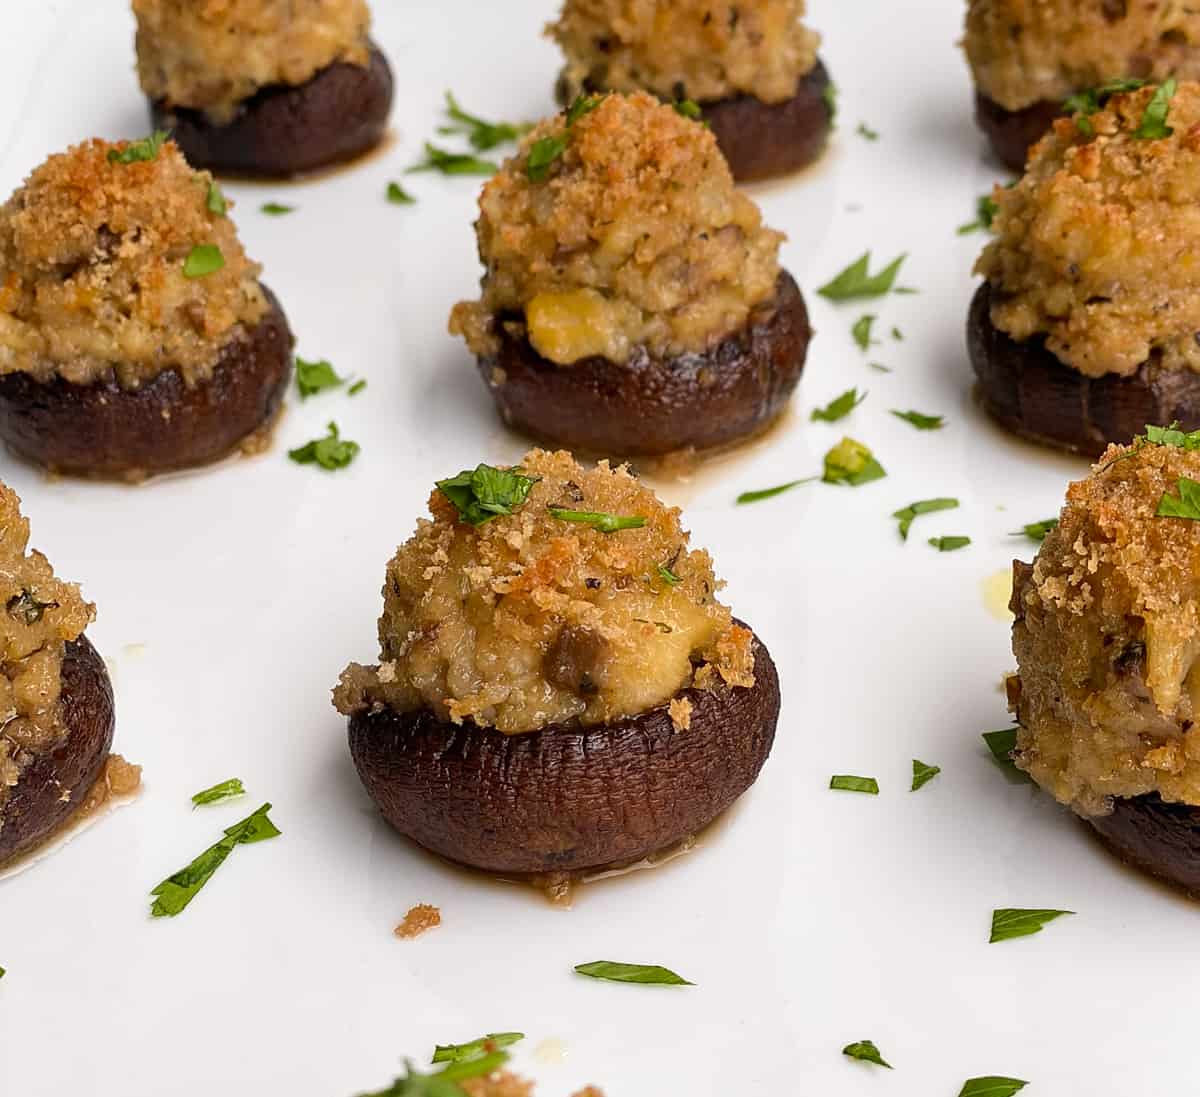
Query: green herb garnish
{"points": [[214, 200], [863, 130], [689, 108], [357, 387], [314, 377], [862, 331], [770, 493], [1153, 126], [331, 452], [1186, 506], [482, 135], [1173, 436], [920, 421], [397, 195], [484, 493], [921, 506], [898, 335], [276, 209], [880, 367], [985, 213], [1036, 531], [923, 773], [991, 1086], [1003, 744], [856, 282], [136, 152], [867, 1052], [668, 576], [839, 407], [177, 891], [584, 104], [543, 153], [475, 1049], [850, 462], [847, 783], [598, 520], [1009, 922], [829, 96], [949, 544], [1086, 103], [453, 163], [442, 1083], [202, 260], [226, 790], [2, 973], [632, 973]]}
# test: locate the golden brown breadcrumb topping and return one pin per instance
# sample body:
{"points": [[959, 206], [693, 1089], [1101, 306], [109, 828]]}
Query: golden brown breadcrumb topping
{"points": [[1023, 51], [1107, 638], [419, 919], [530, 620], [1095, 246], [507, 1084], [92, 282], [211, 55], [41, 615], [637, 236], [689, 49]]}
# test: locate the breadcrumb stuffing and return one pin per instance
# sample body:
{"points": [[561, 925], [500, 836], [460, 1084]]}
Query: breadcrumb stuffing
{"points": [[1095, 246], [680, 711], [635, 237], [211, 55], [529, 620], [689, 49], [1023, 51], [92, 282], [418, 920], [1107, 639]]}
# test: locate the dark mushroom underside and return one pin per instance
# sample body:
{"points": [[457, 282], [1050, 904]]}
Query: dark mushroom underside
{"points": [[566, 799], [1011, 132], [104, 431], [1031, 393], [648, 406], [53, 784], [338, 114], [763, 140], [1160, 838]]}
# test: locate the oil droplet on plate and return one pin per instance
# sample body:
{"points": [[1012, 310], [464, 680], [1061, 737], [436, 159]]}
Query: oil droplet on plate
{"points": [[997, 590], [551, 1052]]}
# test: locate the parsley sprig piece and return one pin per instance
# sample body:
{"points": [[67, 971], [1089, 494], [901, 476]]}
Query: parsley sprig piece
{"points": [[331, 452], [839, 407], [1011, 922], [276, 209], [453, 163], [141, 151], [985, 213], [688, 108], [1003, 744], [1086, 103], [225, 790], [598, 520], [865, 131], [920, 420], [907, 514], [1153, 126], [1036, 531], [485, 492], [214, 200], [861, 331], [475, 1049], [177, 891], [546, 150], [481, 134], [923, 773], [1186, 506], [1173, 436], [650, 974], [851, 463], [444, 1082], [950, 543], [856, 281], [848, 783], [991, 1086], [315, 377], [397, 195], [202, 260], [770, 493], [867, 1052]]}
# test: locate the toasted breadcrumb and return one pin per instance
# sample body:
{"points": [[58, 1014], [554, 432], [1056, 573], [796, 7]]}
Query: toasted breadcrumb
{"points": [[507, 1084], [680, 711], [418, 920]]}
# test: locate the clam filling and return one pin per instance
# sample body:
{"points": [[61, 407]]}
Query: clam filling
{"points": [[1107, 635], [575, 599], [41, 615], [616, 227]]}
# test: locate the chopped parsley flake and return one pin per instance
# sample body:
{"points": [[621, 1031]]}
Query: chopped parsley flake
{"points": [[482, 135], [1086, 103], [846, 783], [1173, 436], [862, 331], [137, 152], [444, 1082], [857, 282], [1036, 531], [863, 130], [276, 209], [598, 520], [632, 973], [949, 544], [484, 493], [689, 108], [852, 463], [991, 1086], [919, 420], [1186, 506], [214, 200], [829, 96], [668, 576], [923, 773], [226, 790], [867, 1052], [331, 452], [543, 154], [985, 213], [1153, 126], [397, 195], [880, 367], [898, 335], [1009, 922], [839, 407], [315, 377], [202, 260], [1003, 744], [770, 493], [357, 387], [453, 163], [907, 514], [475, 1049]]}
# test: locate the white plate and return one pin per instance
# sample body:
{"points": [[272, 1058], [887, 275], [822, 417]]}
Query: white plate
{"points": [[812, 918]]}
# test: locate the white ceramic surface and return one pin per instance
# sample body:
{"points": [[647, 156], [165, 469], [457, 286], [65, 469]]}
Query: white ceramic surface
{"points": [[811, 918]]}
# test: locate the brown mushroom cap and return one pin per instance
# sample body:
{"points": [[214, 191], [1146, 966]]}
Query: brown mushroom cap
{"points": [[650, 406], [1030, 392], [1157, 837], [102, 430], [53, 785], [1011, 132], [566, 799], [282, 131]]}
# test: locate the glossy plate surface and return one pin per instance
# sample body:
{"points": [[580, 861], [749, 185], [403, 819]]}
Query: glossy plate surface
{"points": [[230, 600]]}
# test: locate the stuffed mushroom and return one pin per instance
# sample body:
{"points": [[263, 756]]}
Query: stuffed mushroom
{"points": [[135, 337], [559, 689], [633, 303], [1028, 57], [55, 696], [1086, 328], [750, 66], [264, 87], [1107, 636]]}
